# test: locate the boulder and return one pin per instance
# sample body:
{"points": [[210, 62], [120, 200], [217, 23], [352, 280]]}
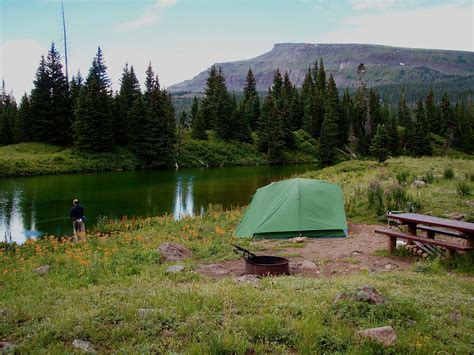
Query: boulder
{"points": [[42, 270], [174, 269], [83, 345], [419, 183], [385, 335], [174, 252], [145, 312], [303, 265], [4, 312], [366, 294], [247, 279], [5, 346]]}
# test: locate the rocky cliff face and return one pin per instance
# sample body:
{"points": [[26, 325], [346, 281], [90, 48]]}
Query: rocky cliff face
{"points": [[385, 65]]}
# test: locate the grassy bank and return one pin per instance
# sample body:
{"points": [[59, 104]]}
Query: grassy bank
{"points": [[29, 159], [96, 289]]}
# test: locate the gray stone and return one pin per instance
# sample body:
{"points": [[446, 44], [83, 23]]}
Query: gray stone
{"points": [[366, 294], [4, 312], [385, 335], [418, 183], [305, 264], [174, 252], [455, 317], [5, 346], [144, 312], [83, 345], [356, 253], [411, 322], [174, 269], [247, 279], [42, 270]]}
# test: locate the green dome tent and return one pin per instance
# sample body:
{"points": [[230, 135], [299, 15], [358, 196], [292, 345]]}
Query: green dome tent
{"points": [[294, 207]]}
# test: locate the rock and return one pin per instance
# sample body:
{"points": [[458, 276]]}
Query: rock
{"points": [[42, 270], [174, 252], [385, 335], [369, 294], [455, 317], [411, 322], [366, 294], [356, 253], [390, 266], [174, 269], [457, 216], [4, 312], [418, 183], [247, 279], [5, 346], [144, 312], [298, 240], [83, 345]]}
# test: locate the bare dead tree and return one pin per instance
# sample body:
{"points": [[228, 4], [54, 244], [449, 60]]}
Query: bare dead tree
{"points": [[65, 40]]}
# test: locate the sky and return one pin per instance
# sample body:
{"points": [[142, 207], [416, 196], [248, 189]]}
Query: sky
{"points": [[184, 37]]}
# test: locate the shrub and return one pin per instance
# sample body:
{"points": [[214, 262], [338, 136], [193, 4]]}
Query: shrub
{"points": [[396, 197], [402, 177], [428, 177], [470, 176], [375, 197], [463, 188], [448, 173]]}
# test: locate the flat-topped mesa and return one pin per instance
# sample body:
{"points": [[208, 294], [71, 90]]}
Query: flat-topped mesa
{"points": [[385, 66]]}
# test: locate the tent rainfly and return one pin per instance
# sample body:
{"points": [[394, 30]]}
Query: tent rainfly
{"points": [[295, 207]]}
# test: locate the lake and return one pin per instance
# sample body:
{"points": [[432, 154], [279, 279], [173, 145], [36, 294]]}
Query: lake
{"points": [[33, 206]]}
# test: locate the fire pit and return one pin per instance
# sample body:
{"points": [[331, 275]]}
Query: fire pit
{"points": [[263, 265]]}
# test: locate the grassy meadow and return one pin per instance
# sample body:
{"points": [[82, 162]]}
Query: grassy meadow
{"points": [[111, 288]]}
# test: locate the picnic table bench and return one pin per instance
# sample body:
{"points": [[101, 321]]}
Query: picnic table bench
{"points": [[418, 222]]}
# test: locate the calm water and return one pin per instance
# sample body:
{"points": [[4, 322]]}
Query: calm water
{"points": [[30, 207]]}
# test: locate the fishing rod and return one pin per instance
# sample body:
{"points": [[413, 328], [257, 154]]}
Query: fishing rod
{"points": [[52, 219]]}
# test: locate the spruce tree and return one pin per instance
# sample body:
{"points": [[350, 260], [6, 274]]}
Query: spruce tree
{"points": [[404, 118], [332, 99], [194, 110], [447, 119], [328, 140], [209, 102], [8, 113], [129, 91], [379, 147], [23, 124], [394, 137], [251, 101], [432, 117], [40, 102], [93, 126]]}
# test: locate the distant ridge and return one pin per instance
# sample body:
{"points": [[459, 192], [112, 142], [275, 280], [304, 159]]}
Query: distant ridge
{"points": [[385, 66]]}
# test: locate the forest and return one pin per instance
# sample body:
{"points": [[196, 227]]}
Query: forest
{"points": [[88, 115]]}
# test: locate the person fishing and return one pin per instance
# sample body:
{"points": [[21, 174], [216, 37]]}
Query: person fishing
{"points": [[77, 217]]}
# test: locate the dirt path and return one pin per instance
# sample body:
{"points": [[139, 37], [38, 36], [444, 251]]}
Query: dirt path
{"points": [[322, 256]]}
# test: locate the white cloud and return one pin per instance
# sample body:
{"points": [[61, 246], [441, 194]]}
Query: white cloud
{"points": [[371, 4], [149, 17], [443, 27], [18, 63]]}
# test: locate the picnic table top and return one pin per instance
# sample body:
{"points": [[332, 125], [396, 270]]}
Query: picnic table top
{"points": [[464, 227]]}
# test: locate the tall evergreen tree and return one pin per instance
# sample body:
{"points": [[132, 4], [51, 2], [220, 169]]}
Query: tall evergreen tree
{"points": [[251, 107], [404, 117], [93, 112], [379, 147], [129, 92], [432, 117], [447, 119], [328, 140], [8, 113], [23, 124]]}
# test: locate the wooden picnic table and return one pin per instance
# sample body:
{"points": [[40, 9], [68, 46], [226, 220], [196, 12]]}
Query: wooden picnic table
{"points": [[413, 220], [429, 224]]}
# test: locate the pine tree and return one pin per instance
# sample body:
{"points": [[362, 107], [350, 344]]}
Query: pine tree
{"points": [[463, 137], [432, 117], [194, 110], [394, 137], [129, 91], [8, 113], [93, 113], [404, 118], [332, 99], [447, 119], [199, 127], [321, 80], [209, 102], [225, 124], [40, 101], [22, 131], [251, 101], [379, 147], [328, 140]]}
